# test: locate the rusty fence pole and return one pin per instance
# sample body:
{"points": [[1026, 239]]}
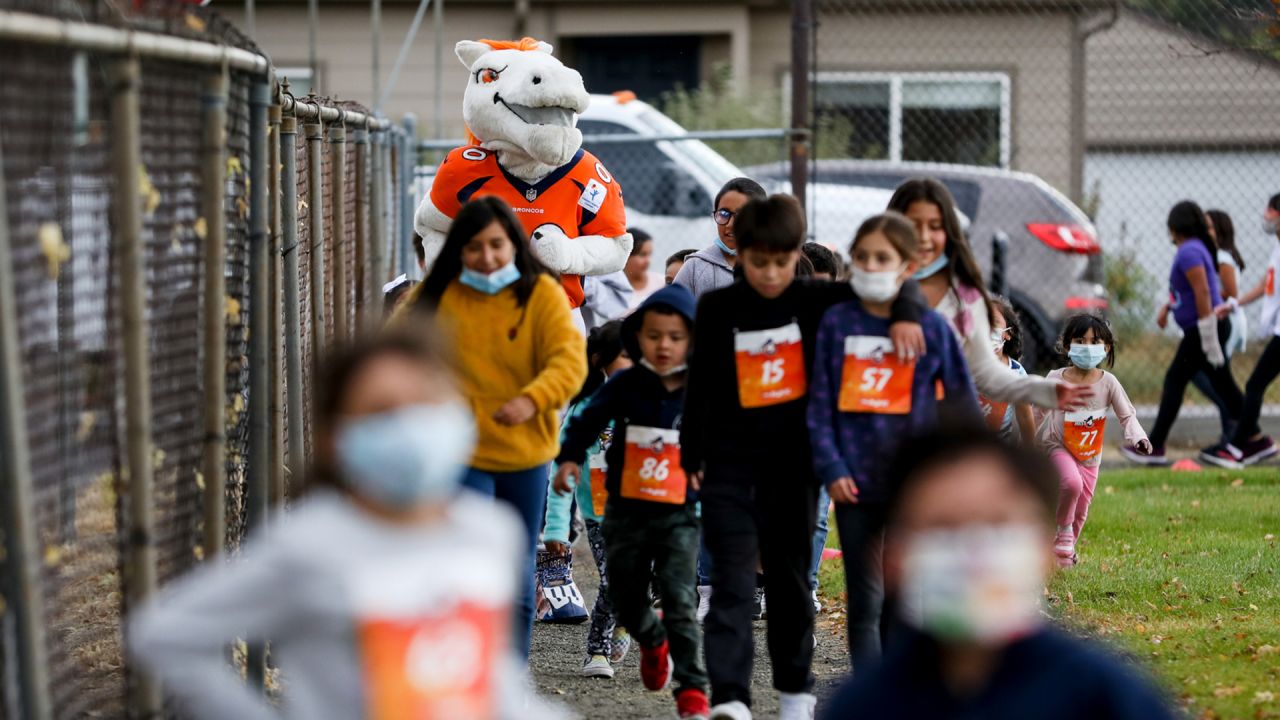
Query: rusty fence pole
{"points": [[17, 510], [377, 221], [801, 38], [123, 78], [291, 300], [337, 188], [314, 132], [275, 323], [259, 467], [213, 210], [360, 137]]}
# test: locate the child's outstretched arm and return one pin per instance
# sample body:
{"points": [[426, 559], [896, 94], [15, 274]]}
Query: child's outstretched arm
{"points": [[583, 428], [1026, 423], [961, 395], [823, 393], [1134, 435]]}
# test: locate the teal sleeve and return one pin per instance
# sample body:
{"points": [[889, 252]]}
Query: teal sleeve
{"points": [[559, 514]]}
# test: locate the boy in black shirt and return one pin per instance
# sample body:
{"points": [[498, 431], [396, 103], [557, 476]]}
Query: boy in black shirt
{"points": [[649, 518], [744, 435]]}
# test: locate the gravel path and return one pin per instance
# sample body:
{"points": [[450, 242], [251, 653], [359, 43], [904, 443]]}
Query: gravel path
{"points": [[558, 652]]}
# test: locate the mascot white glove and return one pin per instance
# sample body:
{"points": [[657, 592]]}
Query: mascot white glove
{"points": [[1208, 327], [585, 255]]}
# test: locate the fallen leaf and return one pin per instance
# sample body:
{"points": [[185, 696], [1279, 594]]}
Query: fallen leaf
{"points": [[201, 228], [1227, 691], [1263, 696], [157, 458], [1268, 537], [55, 249], [194, 22], [233, 311], [150, 196], [200, 480], [234, 166], [87, 420], [52, 555], [1110, 490], [1238, 482], [1140, 629], [198, 552], [1195, 503], [1266, 650]]}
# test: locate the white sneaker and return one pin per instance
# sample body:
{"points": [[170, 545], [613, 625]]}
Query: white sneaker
{"points": [[731, 711], [817, 604], [597, 666], [704, 602], [796, 706]]}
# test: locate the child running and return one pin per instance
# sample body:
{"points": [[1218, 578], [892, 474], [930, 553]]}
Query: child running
{"points": [[650, 530], [607, 644], [865, 399], [1074, 439], [744, 430], [1006, 340]]}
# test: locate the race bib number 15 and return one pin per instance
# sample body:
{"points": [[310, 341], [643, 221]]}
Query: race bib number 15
{"points": [[770, 366]]}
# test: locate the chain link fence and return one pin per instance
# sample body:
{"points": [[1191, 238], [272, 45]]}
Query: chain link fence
{"points": [[88, 530]]}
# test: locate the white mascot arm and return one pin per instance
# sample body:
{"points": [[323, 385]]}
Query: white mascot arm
{"points": [[583, 255], [431, 225]]}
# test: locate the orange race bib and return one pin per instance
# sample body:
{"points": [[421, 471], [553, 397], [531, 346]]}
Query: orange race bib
{"points": [[651, 469], [993, 412], [770, 366], [599, 495], [1271, 281], [1082, 433], [874, 380], [439, 666]]}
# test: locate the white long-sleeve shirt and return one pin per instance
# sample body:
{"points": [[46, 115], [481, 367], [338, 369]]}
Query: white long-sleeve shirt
{"points": [[964, 309], [358, 612]]}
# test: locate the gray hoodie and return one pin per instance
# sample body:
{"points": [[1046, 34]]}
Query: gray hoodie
{"points": [[704, 271]]}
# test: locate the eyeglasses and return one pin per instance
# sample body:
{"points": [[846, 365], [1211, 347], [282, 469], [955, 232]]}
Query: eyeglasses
{"points": [[723, 216]]}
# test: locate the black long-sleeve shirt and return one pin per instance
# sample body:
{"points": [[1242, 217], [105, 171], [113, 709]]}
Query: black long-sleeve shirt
{"points": [[716, 428], [633, 397]]}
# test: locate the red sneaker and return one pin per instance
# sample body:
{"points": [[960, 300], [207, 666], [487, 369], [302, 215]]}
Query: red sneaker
{"points": [[691, 704], [656, 667]]}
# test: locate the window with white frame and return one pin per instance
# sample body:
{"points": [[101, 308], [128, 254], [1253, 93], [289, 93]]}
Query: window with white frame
{"points": [[928, 117]]}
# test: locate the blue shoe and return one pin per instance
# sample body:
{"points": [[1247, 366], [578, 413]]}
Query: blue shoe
{"points": [[557, 596]]}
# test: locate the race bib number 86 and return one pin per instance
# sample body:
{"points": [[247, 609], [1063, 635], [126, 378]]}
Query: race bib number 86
{"points": [[651, 467]]}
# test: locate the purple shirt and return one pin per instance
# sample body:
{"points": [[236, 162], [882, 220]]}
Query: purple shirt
{"points": [[859, 444], [1191, 254]]}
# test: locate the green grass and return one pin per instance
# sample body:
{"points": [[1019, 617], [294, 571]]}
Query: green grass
{"points": [[1182, 571]]}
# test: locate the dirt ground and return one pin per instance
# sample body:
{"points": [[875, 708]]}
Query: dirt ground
{"points": [[558, 653]]}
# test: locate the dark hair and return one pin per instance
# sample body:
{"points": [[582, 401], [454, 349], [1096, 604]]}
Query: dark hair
{"points": [[344, 365], [679, 256], [391, 299], [919, 456], [604, 345], [418, 249], [1079, 324], [961, 263], [1274, 202], [1186, 220], [894, 226], [824, 261], [1224, 234], [638, 239], [804, 266], [470, 220], [772, 224], [752, 189], [1012, 346]]}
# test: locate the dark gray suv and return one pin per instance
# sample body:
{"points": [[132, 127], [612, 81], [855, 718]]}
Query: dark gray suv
{"points": [[1054, 260]]}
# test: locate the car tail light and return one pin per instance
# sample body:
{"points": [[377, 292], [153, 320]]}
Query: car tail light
{"points": [[1076, 302], [1066, 238]]}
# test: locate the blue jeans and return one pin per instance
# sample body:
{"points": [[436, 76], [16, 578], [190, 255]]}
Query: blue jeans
{"points": [[526, 492], [819, 535]]}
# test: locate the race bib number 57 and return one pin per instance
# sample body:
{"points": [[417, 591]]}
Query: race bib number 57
{"points": [[651, 467], [874, 380]]}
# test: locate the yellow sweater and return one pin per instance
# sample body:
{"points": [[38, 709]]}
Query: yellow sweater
{"points": [[504, 351]]}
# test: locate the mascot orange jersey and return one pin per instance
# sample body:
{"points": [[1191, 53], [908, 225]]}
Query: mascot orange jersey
{"points": [[580, 197]]}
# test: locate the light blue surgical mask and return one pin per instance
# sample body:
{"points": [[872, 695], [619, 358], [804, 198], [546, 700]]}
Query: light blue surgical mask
{"points": [[408, 456], [1087, 357], [932, 268], [725, 248], [494, 282]]}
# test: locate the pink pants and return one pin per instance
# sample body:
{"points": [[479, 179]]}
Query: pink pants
{"points": [[1076, 484]]}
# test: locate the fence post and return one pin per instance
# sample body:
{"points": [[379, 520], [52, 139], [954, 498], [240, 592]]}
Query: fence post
{"points": [[126, 163], [213, 210], [274, 305], [292, 316], [360, 136], [17, 514], [259, 470], [1000, 263], [407, 153], [377, 216], [338, 186], [315, 201], [801, 37]]}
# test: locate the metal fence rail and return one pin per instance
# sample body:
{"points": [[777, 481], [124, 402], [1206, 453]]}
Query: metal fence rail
{"points": [[156, 268]]}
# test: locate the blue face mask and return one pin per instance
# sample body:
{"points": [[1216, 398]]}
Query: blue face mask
{"points": [[408, 456], [494, 282], [932, 268], [1087, 357], [725, 248]]}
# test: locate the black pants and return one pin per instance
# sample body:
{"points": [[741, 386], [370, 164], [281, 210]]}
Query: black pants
{"points": [[1201, 382], [662, 548], [764, 511], [1264, 373], [1188, 360], [861, 528]]}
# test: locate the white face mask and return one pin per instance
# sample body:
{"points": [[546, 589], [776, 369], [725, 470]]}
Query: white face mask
{"points": [[997, 340], [876, 287], [670, 371], [407, 456], [979, 584]]}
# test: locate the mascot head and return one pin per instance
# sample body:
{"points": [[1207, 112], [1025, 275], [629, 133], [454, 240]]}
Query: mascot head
{"points": [[519, 96]]}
